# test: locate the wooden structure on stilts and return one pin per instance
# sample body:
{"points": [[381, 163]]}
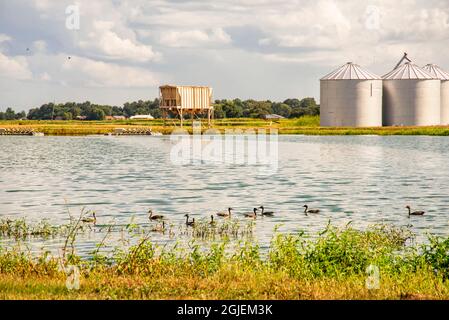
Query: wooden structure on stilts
{"points": [[182, 100]]}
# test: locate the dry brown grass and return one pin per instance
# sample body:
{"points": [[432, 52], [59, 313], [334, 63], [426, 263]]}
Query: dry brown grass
{"points": [[308, 125], [228, 283]]}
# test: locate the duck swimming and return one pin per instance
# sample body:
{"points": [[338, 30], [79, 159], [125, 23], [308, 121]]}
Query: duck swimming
{"points": [[251, 214], [189, 223], [225, 214], [155, 216], [266, 213], [414, 213], [92, 219], [306, 210]]}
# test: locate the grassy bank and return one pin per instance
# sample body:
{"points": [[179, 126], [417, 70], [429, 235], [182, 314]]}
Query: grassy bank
{"points": [[332, 265], [308, 125]]}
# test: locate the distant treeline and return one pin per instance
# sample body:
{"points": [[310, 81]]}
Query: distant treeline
{"points": [[290, 108], [10, 114]]}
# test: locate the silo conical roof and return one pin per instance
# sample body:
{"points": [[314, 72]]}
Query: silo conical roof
{"points": [[436, 72], [351, 71], [408, 71]]}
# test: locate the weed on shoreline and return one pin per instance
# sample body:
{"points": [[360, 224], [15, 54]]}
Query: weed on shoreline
{"points": [[332, 265]]}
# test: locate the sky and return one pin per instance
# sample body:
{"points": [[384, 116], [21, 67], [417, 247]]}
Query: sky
{"points": [[114, 51]]}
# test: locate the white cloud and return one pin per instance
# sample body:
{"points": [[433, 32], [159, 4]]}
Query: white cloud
{"points": [[14, 68], [4, 38], [42, 4], [105, 41], [88, 72], [317, 59], [40, 45], [195, 38], [313, 25], [104, 29], [265, 41], [220, 36], [45, 77]]}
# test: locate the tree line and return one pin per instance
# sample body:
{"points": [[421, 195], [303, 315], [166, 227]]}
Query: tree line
{"points": [[290, 108], [10, 114], [236, 108]]}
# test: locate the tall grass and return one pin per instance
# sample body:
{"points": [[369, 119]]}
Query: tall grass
{"points": [[331, 265]]}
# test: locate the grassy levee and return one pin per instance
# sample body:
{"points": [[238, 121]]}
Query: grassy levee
{"points": [[332, 265], [307, 125]]}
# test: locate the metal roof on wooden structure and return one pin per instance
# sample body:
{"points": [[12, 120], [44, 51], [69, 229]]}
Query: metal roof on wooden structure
{"points": [[186, 99]]}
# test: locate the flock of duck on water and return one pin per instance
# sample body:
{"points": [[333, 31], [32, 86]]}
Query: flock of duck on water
{"points": [[228, 213]]}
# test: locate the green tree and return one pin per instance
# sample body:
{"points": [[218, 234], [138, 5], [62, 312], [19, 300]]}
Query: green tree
{"points": [[117, 111], [129, 109], [282, 109], [67, 116], [75, 110], [10, 114], [306, 106], [307, 103], [293, 103], [257, 109], [218, 112], [232, 109], [95, 114], [21, 115]]}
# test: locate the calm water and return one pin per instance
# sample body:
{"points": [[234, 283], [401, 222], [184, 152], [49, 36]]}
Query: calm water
{"points": [[364, 179]]}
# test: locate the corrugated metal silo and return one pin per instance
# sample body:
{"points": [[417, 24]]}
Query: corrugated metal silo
{"points": [[438, 73], [351, 97], [411, 97]]}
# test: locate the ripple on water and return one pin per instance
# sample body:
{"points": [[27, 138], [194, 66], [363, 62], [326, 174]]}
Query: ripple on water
{"points": [[361, 179]]}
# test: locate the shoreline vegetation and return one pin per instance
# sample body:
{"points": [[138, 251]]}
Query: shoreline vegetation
{"points": [[306, 125], [337, 263]]}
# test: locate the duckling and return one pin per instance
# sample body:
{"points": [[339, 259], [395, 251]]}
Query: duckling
{"points": [[266, 213], [154, 217], [212, 222], [251, 214], [189, 223], [92, 219], [225, 214], [414, 213], [306, 210]]}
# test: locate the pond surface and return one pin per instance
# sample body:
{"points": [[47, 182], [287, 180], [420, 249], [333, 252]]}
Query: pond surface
{"points": [[363, 179]]}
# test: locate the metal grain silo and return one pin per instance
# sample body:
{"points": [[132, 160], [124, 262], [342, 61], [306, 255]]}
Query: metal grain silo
{"points": [[411, 97], [438, 73], [351, 97]]}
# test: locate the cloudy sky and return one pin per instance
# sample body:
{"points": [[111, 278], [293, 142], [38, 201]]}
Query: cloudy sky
{"points": [[122, 50]]}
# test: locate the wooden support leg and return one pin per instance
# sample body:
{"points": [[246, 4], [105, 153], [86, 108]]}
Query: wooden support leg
{"points": [[180, 115]]}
